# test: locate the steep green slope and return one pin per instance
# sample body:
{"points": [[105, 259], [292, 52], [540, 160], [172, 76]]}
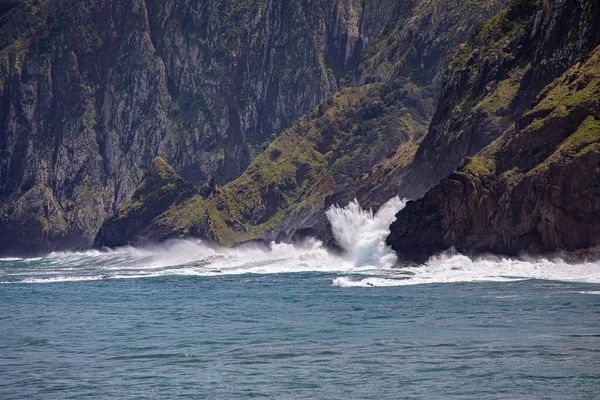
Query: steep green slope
{"points": [[475, 105], [329, 147], [497, 75], [535, 189]]}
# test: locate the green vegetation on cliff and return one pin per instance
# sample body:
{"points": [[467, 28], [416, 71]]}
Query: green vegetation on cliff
{"points": [[397, 50], [91, 92], [561, 126], [160, 180], [331, 146], [357, 142], [480, 96], [160, 188], [534, 189]]}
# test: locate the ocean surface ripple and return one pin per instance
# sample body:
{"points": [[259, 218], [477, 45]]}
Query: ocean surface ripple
{"points": [[187, 320]]}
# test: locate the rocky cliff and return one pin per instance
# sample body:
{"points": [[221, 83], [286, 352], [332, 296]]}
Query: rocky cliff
{"points": [[535, 103], [375, 122], [92, 91], [330, 146]]}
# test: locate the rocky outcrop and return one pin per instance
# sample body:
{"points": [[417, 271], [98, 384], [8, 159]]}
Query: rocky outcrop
{"points": [[34, 222], [91, 92], [536, 187]]}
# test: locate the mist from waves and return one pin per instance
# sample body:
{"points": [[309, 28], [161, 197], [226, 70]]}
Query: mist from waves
{"points": [[361, 234], [452, 267], [365, 262]]}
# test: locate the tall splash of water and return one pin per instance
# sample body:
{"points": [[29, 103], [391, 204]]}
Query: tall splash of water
{"points": [[361, 233]]}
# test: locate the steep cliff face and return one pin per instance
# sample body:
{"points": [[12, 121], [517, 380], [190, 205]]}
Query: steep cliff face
{"points": [[91, 92], [17, 17], [497, 75], [535, 188], [330, 146], [320, 158]]}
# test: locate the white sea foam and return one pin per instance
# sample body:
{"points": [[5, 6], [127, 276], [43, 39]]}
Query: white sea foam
{"points": [[367, 261], [345, 281], [450, 267], [179, 257], [459, 268], [361, 233]]}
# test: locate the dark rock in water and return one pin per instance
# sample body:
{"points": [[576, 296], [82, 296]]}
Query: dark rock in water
{"points": [[580, 256], [537, 187], [106, 276]]}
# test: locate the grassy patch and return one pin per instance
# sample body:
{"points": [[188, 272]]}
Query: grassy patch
{"points": [[479, 166], [586, 138], [333, 144], [578, 88]]}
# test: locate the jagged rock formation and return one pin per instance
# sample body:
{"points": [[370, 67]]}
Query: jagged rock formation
{"points": [[320, 157], [91, 92], [496, 77], [536, 187]]}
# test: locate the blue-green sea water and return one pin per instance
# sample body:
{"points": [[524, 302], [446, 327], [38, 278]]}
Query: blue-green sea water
{"points": [[185, 320], [297, 335]]}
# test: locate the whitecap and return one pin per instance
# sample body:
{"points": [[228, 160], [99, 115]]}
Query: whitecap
{"points": [[361, 233]]}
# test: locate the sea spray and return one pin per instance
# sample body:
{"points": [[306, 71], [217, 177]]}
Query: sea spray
{"points": [[361, 233], [177, 257], [194, 258], [451, 267]]}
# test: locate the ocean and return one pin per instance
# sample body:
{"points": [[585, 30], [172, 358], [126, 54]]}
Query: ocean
{"points": [[186, 320]]}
